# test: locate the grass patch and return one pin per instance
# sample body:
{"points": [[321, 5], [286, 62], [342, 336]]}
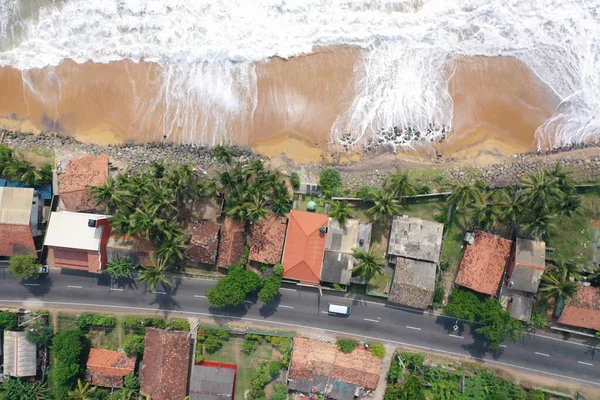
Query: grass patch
{"points": [[65, 322], [41, 152], [232, 353], [301, 205], [101, 338], [574, 238], [381, 284]]}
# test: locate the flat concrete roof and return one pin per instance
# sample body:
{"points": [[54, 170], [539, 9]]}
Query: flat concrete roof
{"points": [[70, 230], [15, 205], [415, 238]]}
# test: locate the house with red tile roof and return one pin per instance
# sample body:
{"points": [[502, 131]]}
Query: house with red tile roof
{"points": [[18, 221], [79, 174], [322, 366], [266, 240], [233, 241], [483, 263], [304, 247], [108, 368], [584, 311], [204, 242], [164, 374]]}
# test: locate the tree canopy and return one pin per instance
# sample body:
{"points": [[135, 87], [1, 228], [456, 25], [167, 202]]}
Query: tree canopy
{"points": [[24, 266], [232, 289], [68, 352]]}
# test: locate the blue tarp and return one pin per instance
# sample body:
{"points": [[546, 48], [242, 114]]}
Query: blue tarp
{"points": [[45, 191]]}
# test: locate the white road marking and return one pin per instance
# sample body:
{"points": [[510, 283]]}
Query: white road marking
{"points": [[75, 287], [584, 363], [413, 327], [159, 292], [370, 320], [281, 305], [456, 336], [542, 354], [503, 345], [117, 289], [200, 296], [247, 302], [324, 312], [290, 290], [31, 284], [371, 338]]}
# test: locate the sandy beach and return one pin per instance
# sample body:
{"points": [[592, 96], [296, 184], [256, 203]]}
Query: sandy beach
{"points": [[498, 105]]}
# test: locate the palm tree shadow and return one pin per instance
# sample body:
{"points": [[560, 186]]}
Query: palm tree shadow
{"points": [[166, 303], [593, 347], [128, 284]]}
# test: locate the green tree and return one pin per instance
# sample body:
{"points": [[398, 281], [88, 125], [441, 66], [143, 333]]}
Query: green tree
{"points": [[485, 214], [152, 276], [541, 192], [295, 180], [368, 263], [22, 171], [498, 324], [560, 280], [365, 193], [330, 182], [383, 205], [8, 320], [341, 211], [278, 269], [134, 344], [400, 184], [16, 389], [39, 333], [270, 289], [24, 266], [280, 392], [231, 290], [111, 195], [68, 352], [129, 391], [223, 154], [410, 389], [463, 305], [120, 268], [539, 224], [511, 206], [83, 391], [464, 194]]}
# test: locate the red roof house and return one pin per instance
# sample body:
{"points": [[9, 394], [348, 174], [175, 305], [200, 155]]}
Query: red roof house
{"points": [[108, 368], [16, 236], [266, 241], [204, 242], [73, 183], [483, 263], [233, 241], [584, 311], [304, 247]]}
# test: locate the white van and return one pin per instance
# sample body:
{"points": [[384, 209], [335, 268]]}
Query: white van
{"points": [[338, 309]]}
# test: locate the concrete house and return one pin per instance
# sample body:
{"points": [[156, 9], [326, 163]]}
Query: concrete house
{"points": [[19, 220]]}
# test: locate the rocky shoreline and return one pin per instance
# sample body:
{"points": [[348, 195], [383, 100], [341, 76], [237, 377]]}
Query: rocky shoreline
{"points": [[583, 161]]}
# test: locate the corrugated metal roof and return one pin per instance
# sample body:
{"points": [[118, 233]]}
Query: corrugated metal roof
{"points": [[70, 230], [209, 382], [15, 205], [19, 355]]}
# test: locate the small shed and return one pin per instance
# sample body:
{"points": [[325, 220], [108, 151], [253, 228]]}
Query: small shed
{"points": [[20, 359], [212, 381]]}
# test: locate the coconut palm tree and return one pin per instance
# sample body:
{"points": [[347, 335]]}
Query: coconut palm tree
{"points": [[485, 214], [172, 247], [6, 155], [537, 227], [111, 196], [83, 391], [464, 194], [560, 281], [45, 177], [15, 388], [120, 268], [569, 206], [341, 211], [400, 184], [22, 171], [540, 192], [256, 208], [223, 154], [152, 276], [564, 181], [383, 205], [511, 207], [368, 264]]}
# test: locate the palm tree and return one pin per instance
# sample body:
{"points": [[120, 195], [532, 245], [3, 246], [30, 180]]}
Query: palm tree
{"points": [[223, 154], [22, 171], [16, 389], [464, 194], [111, 195], [123, 223], [537, 227], [400, 184], [570, 206], [368, 264], [384, 205], [83, 391], [172, 248], [341, 211], [120, 268], [45, 177], [540, 192], [560, 280], [485, 214], [565, 183], [511, 206], [256, 208], [154, 275]]}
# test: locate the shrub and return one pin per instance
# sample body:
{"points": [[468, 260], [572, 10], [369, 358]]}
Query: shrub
{"points": [[67, 348], [270, 289], [346, 346], [365, 193], [134, 344], [282, 344], [538, 320], [280, 392], [278, 269], [39, 333], [274, 368], [378, 350], [222, 334], [249, 346], [258, 380], [132, 322], [179, 325], [98, 320], [155, 322], [8, 320], [337, 286], [212, 344], [438, 296], [330, 182], [201, 334], [295, 180], [24, 266]]}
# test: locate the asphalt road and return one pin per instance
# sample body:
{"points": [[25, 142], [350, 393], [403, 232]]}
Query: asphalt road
{"points": [[304, 308]]}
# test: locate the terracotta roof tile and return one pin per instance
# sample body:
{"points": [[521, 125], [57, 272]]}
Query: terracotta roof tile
{"points": [[483, 263], [81, 172], [15, 239], [165, 369], [312, 358], [204, 242], [266, 241], [108, 368], [304, 247], [585, 311], [233, 240]]}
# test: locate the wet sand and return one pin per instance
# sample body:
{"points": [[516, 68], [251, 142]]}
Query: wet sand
{"points": [[498, 104]]}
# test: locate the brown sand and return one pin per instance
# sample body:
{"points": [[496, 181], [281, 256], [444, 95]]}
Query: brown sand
{"points": [[498, 104]]}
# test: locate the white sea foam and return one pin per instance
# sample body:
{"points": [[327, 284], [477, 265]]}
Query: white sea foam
{"points": [[206, 48]]}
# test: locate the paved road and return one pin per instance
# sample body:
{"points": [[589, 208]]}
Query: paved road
{"points": [[304, 308]]}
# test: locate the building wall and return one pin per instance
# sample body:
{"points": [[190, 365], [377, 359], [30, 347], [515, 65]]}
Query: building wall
{"points": [[82, 260]]}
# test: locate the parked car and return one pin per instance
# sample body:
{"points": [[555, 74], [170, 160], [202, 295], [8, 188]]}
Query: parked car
{"points": [[337, 309]]}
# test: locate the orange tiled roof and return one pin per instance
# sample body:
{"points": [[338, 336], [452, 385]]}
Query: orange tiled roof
{"points": [[81, 172], [232, 245], [104, 365], [585, 311], [312, 358], [483, 263], [266, 241], [15, 239], [304, 247]]}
